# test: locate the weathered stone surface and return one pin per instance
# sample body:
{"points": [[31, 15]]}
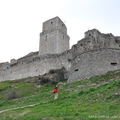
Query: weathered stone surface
{"points": [[53, 38], [95, 54]]}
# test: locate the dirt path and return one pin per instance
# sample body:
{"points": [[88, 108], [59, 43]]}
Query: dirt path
{"points": [[22, 107]]}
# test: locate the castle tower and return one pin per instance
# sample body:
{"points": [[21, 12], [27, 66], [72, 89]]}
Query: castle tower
{"points": [[53, 38]]}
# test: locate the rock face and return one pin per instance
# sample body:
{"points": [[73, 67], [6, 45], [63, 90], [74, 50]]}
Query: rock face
{"points": [[95, 54]]}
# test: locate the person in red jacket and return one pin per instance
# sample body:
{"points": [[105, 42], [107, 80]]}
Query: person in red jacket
{"points": [[55, 91]]}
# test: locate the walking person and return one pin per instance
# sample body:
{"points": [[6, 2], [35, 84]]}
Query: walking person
{"points": [[55, 91]]}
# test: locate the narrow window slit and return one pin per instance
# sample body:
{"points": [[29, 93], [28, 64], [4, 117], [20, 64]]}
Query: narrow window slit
{"points": [[76, 69], [114, 63]]}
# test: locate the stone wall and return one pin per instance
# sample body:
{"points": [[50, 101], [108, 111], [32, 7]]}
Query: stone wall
{"points": [[94, 63], [33, 66], [95, 54]]}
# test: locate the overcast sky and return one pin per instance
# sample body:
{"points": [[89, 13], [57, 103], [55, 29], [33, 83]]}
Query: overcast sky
{"points": [[21, 22]]}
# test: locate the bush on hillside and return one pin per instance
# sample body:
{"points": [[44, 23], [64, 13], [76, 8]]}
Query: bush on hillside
{"points": [[46, 81], [11, 94], [58, 74]]}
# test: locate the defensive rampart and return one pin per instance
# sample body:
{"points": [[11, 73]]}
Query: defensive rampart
{"points": [[33, 66], [95, 54]]}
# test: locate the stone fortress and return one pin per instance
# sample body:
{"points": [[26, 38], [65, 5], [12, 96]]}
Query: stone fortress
{"points": [[95, 54]]}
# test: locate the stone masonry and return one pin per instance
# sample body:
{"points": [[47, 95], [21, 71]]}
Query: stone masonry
{"points": [[95, 54], [53, 38]]}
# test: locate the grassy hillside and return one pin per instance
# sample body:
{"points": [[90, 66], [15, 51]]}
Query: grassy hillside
{"points": [[96, 98]]}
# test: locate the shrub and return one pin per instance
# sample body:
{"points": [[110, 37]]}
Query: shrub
{"points": [[44, 81], [52, 71], [11, 94], [58, 74]]}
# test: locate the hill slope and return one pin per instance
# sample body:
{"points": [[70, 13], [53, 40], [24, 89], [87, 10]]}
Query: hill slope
{"points": [[96, 98]]}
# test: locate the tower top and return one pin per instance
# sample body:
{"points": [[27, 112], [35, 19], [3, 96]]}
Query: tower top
{"points": [[54, 23]]}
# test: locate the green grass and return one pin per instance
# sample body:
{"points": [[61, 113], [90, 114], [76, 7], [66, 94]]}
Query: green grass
{"points": [[95, 100]]}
